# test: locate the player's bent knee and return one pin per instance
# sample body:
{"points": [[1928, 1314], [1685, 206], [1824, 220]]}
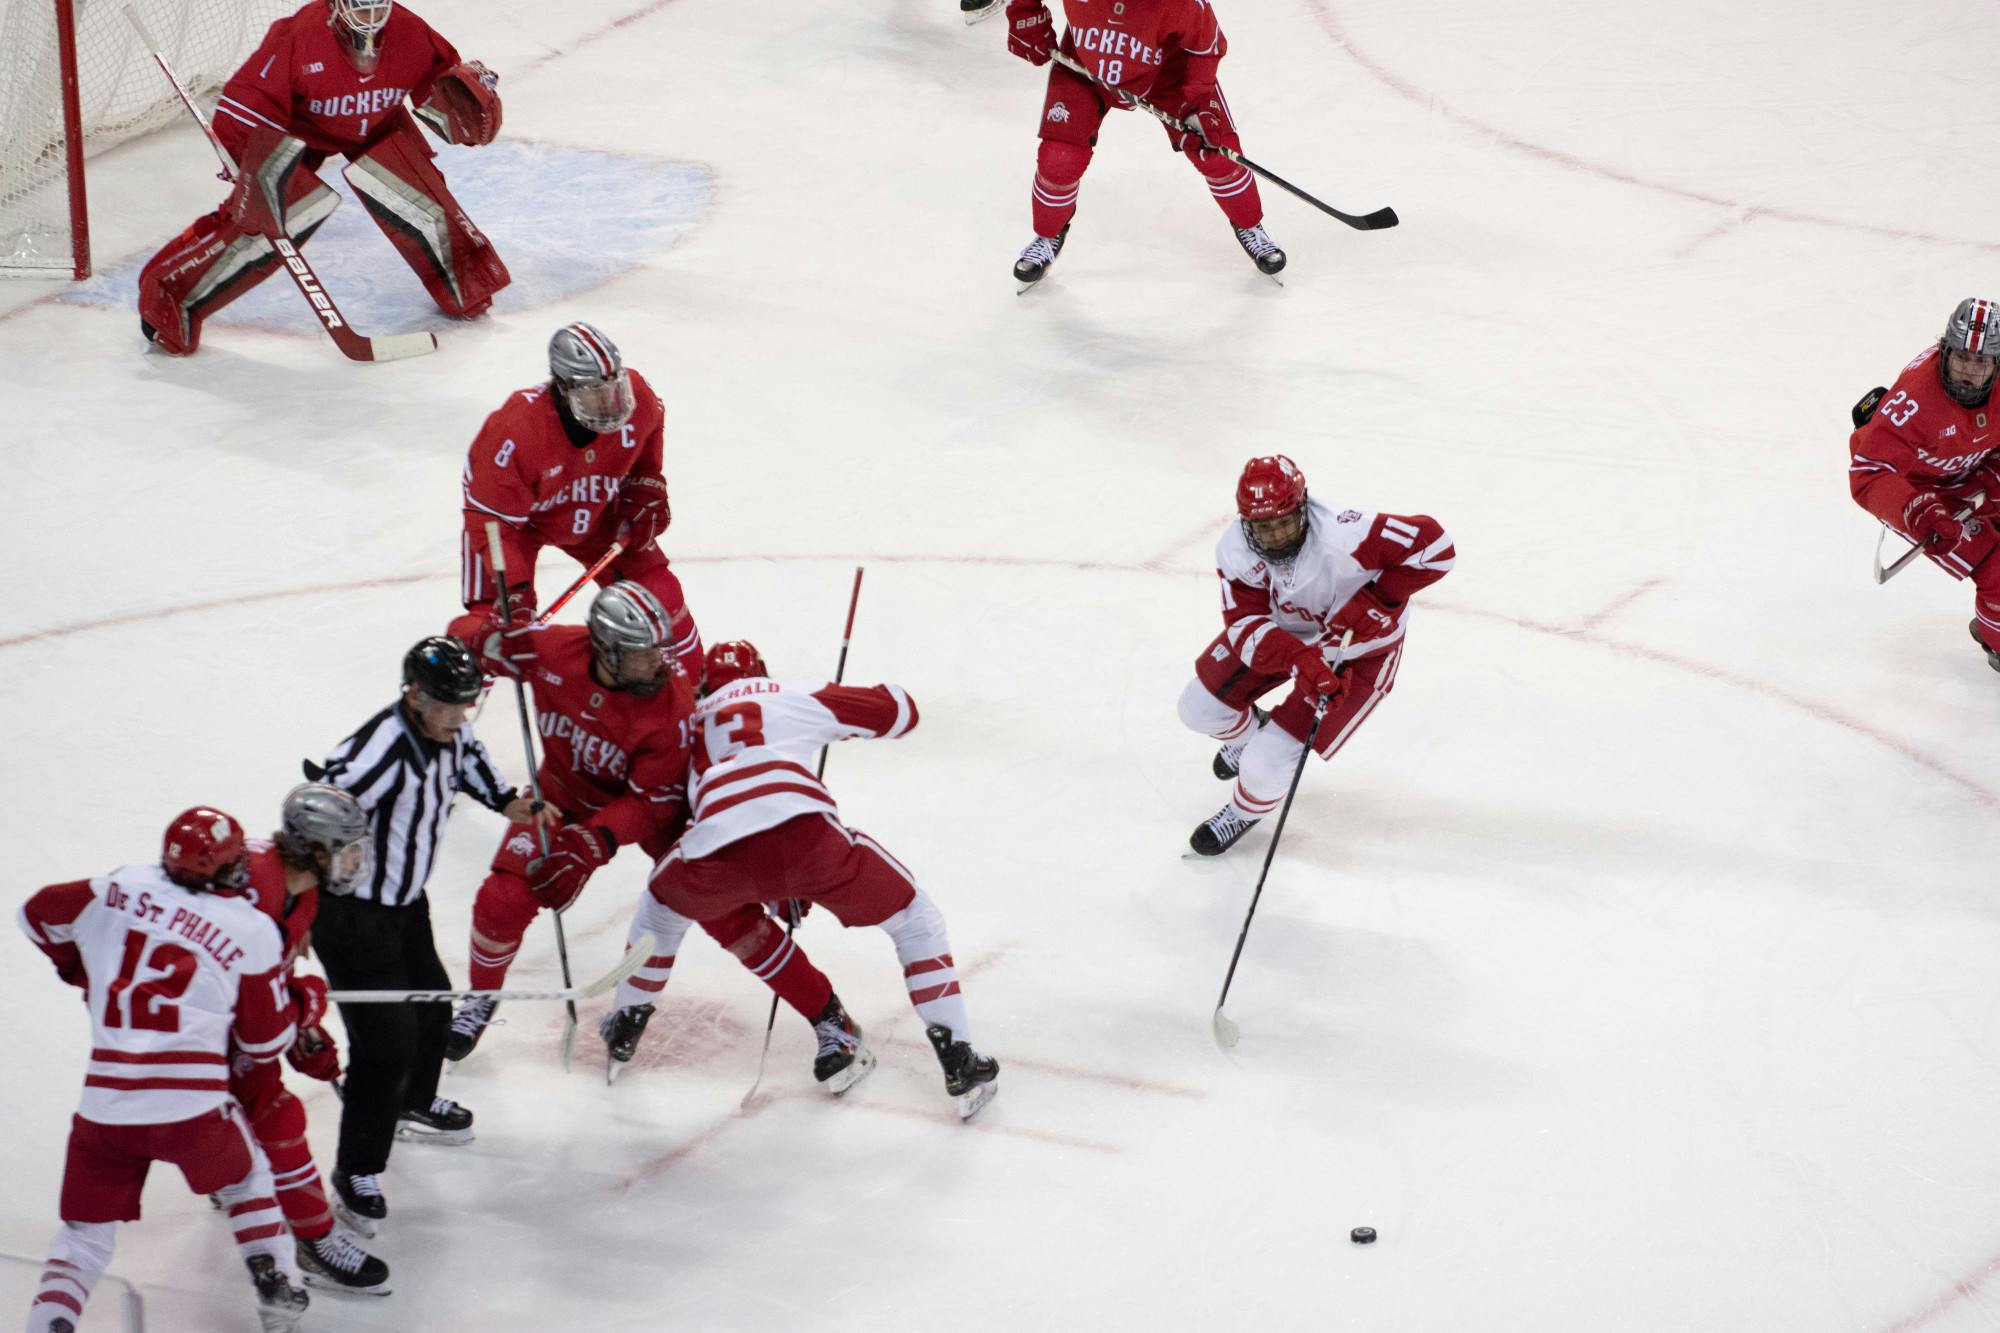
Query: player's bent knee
{"points": [[1062, 163], [88, 1245], [1203, 712]]}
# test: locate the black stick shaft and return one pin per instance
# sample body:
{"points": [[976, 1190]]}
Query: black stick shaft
{"points": [[1270, 853]]}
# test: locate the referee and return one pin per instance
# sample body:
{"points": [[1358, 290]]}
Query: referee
{"points": [[404, 765]]}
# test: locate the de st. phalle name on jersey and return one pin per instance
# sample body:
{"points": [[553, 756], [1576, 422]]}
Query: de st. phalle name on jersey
{"points": [[191, 926]]}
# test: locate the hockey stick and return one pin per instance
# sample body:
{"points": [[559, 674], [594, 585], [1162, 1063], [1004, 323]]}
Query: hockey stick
{"points": [[839, 674], [634, 958], [1882, 575], [354, 346], [534, 785], [1376, 221], [1227, 1034]]}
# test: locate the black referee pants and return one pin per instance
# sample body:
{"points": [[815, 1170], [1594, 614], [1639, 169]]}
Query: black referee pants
{"points": [[395, 1051]]}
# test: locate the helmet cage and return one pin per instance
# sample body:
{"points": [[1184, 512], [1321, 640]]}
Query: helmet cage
{"points": [[591, 376], [359, 24], [1972, 331]]}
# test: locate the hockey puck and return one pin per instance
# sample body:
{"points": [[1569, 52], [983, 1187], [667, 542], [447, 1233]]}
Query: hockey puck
{"points": [[1362, 1235]]}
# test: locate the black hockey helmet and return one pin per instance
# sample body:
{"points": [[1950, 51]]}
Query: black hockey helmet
{"points": [[442, 667]]}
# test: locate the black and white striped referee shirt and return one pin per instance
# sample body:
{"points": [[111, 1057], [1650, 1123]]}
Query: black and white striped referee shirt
{"points": [[405, 782]]}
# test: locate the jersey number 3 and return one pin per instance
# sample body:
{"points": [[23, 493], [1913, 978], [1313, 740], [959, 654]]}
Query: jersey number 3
{"points": [[149, 1005]]}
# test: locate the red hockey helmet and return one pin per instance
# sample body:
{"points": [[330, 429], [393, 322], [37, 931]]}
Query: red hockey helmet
{"points": [[204, 850], [1271, 500], [730, 662]]}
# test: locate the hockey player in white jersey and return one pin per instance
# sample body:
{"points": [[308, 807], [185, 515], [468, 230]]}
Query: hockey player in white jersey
{"points": [[177, 963], [1298, 576], [763, 828]]}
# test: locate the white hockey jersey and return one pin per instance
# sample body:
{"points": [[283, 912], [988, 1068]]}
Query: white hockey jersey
{"points": [[174, 977], [755, 741]]}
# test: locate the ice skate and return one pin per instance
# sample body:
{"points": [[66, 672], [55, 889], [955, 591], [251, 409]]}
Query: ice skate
{"points": [[842, 1061], [358, 1202], [1992, 655], [621, 1030], [467, 1026], [1261, 248], [972, 1079], [279, 1304], [1036, 259], [1220, 831], [1230, 756], [336, 1263], [974, 10], [444, 1122]]}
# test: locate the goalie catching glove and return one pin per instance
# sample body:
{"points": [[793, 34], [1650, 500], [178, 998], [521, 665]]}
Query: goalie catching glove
{"points": [[464, 107]]}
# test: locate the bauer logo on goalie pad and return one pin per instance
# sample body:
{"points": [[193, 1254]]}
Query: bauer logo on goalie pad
{"points": [[1059, 113]]}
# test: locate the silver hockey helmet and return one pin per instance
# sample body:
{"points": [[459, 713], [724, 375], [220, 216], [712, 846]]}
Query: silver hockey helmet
{"points": [[359, 24], [631, 632], [1969, 351], [318, 816], [591, 377]]}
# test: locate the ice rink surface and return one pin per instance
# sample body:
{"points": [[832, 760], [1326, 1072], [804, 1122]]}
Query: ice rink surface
{"points": [[1633, 968]]}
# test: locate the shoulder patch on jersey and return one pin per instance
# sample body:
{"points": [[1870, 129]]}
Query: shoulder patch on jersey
{"points": [[1349, 516]]}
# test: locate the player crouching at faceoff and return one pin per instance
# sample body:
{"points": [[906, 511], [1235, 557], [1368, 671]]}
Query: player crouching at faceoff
{"points": [[573, 463], [765, 829], [1923, 450], [322, 843], [331, 79], [613, 713], [1296, 577], [178, 968]]}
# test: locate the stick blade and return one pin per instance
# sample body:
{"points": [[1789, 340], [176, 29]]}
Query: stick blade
{"points": [[1380, 219], [1227, 1034], [636, 954], [400, 346]]}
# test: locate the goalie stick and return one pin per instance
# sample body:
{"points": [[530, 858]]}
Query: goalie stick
{"points": [[1227, 1034], [1376, 221], [839, 674], [635, 956], [354, 346]]}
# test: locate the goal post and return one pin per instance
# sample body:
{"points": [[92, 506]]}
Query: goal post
{"points": [[74, 82]]}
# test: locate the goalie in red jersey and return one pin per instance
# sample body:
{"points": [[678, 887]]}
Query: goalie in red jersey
{"points": [[331, 80], [573, 463], [1923, 455], [1166, 51]]}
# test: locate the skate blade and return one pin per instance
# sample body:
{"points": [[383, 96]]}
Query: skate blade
{"points": [[280, 1321], [612, 1069], [969, 1103], [864, 1064], [319, 1283], [970, 19], [365, 1227], [443, 1138]]}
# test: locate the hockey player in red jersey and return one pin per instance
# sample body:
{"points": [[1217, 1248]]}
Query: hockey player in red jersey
{"points": [[322, 843], [1165, 51], [1296, 577], [178, 968], [574, 463], [613, 711], [1923, 449], [331, 80], [765, 829]]}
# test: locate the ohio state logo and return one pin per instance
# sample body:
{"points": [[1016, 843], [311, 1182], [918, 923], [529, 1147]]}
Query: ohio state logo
{"points": [[1059, 113]]}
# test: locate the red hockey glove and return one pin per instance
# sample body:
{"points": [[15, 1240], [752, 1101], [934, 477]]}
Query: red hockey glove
{"points": [[575, 852], [1202, 127], [1931, 522], [1317, 680], [463, 107], [1369, 615], [790, 911], [315, 1055], [1031, 33], [309, 998], [643, 512]]}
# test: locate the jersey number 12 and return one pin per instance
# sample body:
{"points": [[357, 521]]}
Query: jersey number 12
{"points": [[149, 1005]]}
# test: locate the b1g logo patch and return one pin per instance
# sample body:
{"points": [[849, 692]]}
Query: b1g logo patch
{"points": [[1349, 516]]}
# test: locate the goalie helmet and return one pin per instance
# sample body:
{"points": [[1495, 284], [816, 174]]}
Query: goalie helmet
{"points": [[730, 662], [590, 375], [204, 851], [1969, 352], [1271, 504], [318, 816], [359, 24]]}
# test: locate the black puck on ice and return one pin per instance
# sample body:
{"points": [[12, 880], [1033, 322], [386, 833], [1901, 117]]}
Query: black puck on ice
{"points": [[1362, 1235]]}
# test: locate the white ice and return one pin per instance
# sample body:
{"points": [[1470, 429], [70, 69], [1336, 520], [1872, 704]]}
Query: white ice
{"points": [[1633, 969]]}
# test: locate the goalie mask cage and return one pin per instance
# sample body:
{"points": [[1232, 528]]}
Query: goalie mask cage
{"points": [[74, 81]]}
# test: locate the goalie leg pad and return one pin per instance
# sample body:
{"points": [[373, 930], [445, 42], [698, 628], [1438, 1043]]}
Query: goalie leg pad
{"points": [[215, 261], [406, 195]]}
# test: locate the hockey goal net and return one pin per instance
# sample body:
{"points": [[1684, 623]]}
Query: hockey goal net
{"points": [[74, 81]]}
